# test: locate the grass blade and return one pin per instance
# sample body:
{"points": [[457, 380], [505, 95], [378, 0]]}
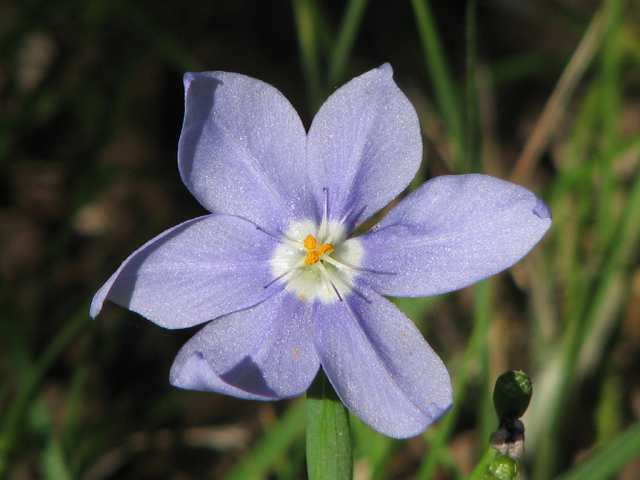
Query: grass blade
{"points": [[439, 71], [346, 37], [608, 459], [272, 445]]}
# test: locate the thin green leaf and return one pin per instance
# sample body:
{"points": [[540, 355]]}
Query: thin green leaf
{"points": [[472, 157], [474, 354], [590, 327], [10, 428], [439, 71], [608, 459], [272, 446], [305, 12], [346, 37]]}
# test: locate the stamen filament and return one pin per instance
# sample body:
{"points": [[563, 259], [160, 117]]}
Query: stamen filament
{"points": [[327, 276], [339, 264], [285, 240], [340, 224], [279, 277], [325, 214]]}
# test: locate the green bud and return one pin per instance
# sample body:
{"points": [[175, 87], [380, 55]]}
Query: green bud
{"points": [[512, 394], [504, 468]]}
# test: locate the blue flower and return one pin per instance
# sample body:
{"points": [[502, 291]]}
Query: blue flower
{"points": [[276, 265]]}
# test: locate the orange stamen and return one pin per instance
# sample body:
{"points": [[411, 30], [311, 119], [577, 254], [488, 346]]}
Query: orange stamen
{"points": [[313, 255], [310, 243], [326, 248]]}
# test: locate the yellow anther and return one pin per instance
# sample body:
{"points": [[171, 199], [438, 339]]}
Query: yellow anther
{"points": [[326, 248], [312, 257], [310, 244]]}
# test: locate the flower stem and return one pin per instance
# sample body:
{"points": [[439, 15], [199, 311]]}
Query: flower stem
{"points": [[482, 469], [328, 434], [494, 466]]}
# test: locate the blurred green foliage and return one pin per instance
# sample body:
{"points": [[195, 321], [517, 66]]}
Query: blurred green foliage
{"points": [[543, 92]]}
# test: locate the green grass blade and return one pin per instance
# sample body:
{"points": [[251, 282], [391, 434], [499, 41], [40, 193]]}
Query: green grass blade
{"points": [[608, 459], [439, 72], [590, 325], [472, 157], [474, 354], [14, 417], [272, 446], [590, 328], [346, 37], [53, 461], [55, 465], [164, 44], [610, 98], [305, 13], [559, 100], [372, 450]]}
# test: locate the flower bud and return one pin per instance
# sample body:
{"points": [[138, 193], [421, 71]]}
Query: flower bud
{"points": [[512, 394]]}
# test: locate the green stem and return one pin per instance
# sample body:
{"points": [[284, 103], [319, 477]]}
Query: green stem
{"points": [[480, 472], [328, 434]]}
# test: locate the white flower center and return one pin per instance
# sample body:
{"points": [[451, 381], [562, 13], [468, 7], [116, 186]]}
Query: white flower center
{"points": [[317, 261]]}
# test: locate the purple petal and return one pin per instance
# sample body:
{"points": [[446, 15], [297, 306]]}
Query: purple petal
{"points": [[242, 150], [364, 145], [263, 353], [451, 232], [196, 271], [380, 365]]}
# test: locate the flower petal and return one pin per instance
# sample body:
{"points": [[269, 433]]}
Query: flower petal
{"points": [[196, 271], [380, 365], [242, 150], [263, 353], [364, 146], [451, 232]]}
